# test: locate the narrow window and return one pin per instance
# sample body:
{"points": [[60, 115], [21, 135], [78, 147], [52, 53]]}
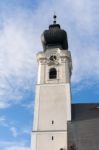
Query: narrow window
{"points": [[52, 138], [52, 73], [52, 121], [61, 149]]}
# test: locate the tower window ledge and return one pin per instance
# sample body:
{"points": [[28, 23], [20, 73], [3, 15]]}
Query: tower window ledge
{"points": [[52, 79]]}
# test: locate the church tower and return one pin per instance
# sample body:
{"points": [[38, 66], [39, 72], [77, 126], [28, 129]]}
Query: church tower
{"points": [[52, 107]]}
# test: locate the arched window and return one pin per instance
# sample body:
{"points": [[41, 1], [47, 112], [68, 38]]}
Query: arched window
{"points": [[52, 73]]}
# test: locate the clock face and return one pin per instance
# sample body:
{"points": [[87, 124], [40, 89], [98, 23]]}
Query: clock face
{"points": [[53, 58]]}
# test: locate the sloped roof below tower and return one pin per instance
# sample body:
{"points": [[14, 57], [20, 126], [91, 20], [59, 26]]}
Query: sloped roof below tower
{"points": [[83, 130]]}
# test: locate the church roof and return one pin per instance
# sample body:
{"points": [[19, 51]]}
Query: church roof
{"points": [[54, 37], [83, 130]]}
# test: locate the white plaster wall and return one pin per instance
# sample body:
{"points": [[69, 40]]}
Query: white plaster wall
{"points": [[63, 67], [41, 73], [45, 142], [52, 103], [52, 106]]}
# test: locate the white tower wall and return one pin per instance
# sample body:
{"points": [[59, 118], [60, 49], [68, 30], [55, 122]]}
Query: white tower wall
{"points": [[53, 102]]}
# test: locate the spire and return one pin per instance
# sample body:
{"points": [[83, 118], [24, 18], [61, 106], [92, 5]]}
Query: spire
{"points": [[54, 37], [54, 17]]}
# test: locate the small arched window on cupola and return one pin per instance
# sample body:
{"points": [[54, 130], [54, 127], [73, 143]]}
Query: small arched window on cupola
{"points": [[53, 73]]}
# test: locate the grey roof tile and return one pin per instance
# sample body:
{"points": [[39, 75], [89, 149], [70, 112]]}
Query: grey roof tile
{"points": [[83, 130]]}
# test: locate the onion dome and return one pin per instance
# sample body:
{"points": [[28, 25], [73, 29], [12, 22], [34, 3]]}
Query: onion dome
{"points": [[54, 37]]}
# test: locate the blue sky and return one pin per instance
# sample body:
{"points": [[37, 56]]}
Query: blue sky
{"points": [[21, 25]]}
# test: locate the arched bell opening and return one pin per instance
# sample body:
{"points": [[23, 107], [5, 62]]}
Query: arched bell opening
{"points": [[53, 73]]}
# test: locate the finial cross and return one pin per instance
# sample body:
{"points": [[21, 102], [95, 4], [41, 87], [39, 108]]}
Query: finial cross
{"points": [[54, 17]]}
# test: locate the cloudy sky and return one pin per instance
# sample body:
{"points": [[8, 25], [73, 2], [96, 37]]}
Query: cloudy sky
{"points": [[21, 25]]}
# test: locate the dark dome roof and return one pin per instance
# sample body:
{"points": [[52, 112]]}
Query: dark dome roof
{"points": [[55, 37]]}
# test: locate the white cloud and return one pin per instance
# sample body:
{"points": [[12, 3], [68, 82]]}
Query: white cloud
{"points": [[28, 106], [14, 131], [19, 132], [86, 66], [17, 148], [17, 62], [7, 145], [3, 121], [3, 105], [26, 130], [20, 41]]}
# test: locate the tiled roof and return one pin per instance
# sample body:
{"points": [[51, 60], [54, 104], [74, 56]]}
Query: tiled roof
{"points": [[83, 130]]}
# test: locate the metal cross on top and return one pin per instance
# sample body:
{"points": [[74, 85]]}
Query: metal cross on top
{"points": [[54, 17]]}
